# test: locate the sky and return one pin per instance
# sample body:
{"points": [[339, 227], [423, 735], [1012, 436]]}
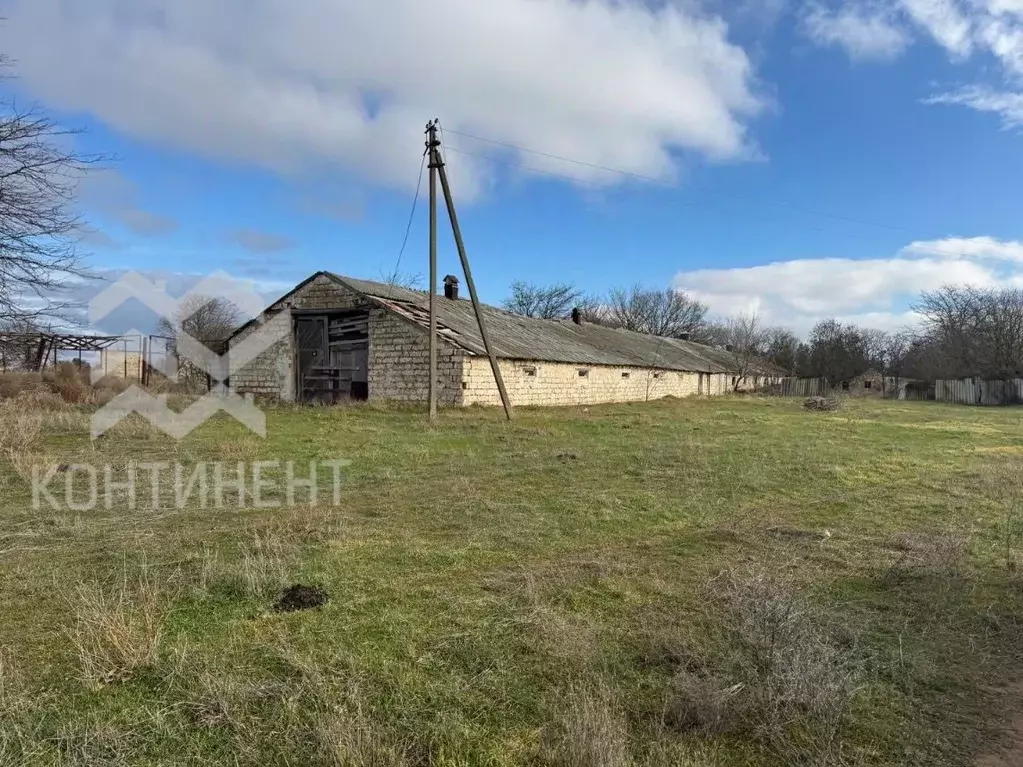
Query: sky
{"points": [[798, 158]]}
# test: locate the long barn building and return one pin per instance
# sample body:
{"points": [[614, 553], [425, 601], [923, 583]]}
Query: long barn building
{"points": [[356, 339]]}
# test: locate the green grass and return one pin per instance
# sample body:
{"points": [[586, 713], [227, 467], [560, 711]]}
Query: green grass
{"points": [[503, 593]]}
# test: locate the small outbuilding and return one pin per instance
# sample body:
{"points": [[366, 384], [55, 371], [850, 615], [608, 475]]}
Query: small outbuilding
{"points": [[351, 339]]}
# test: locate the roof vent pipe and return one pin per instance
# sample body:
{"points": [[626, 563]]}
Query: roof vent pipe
{"points": [[451, 287]]}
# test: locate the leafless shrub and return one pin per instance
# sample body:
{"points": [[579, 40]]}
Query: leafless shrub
{"points": [[70, 382], [794, 683], [590, 731], [12, 384], [116, 633], [701, 703], [825, 404], [60, 388], [41, 400]]}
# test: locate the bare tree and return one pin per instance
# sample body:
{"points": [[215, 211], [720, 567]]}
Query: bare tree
{"points": [[20, 343], [951, 319], [885, 353], [204, 318], [39, 227], [746, 340], [836, 352], [972, 331], [548, 302], [210, 321], [668, 312], [781, 346], [399, 279]]}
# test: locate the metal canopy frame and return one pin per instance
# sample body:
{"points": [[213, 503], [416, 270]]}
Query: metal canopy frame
{"points": [[48, 343]]}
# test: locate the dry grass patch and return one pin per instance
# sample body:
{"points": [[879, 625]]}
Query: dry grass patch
{"points": [[116, 632], [589, 730], [261, 567], [944, 555], [349, 739]]}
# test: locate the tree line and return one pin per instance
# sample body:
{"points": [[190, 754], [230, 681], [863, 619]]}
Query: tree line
{"points": [[962, 331]]}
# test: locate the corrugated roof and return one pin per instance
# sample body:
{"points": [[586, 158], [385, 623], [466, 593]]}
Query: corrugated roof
{"points": [[526, 338]]}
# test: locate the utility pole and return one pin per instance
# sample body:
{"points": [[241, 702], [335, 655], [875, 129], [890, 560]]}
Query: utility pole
{"points": [[434, 159], [468, 276]]}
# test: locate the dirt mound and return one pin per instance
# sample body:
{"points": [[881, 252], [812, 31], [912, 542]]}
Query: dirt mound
{"points": [[300, 597]]}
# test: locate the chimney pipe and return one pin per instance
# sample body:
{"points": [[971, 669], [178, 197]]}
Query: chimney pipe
{"points": [[577, 316], [451, 287]]}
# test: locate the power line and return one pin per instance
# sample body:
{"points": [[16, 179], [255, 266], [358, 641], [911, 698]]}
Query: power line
{"points": [[662, 182], [562, 176], [408, 227], [598, 185]]}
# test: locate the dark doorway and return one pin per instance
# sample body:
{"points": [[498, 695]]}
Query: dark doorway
{"points": [[333, 357]]}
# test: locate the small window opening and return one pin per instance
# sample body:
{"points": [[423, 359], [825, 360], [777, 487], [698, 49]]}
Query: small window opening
{"points": [[658, 374], [583, 373], [465, 384], [529, 371], [868, 384], [625, 374]]}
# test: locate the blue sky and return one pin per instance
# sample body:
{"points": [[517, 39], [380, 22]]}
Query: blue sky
{"points": [[801, 159]]}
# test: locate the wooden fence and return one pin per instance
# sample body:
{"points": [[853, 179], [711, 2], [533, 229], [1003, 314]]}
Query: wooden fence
{"points": [[891, 388], [797, 387], [974, 391]]}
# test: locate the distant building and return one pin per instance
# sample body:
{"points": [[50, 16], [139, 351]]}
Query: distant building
{"points": [[355, 339]]}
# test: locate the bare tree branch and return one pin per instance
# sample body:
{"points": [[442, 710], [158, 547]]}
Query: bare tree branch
{"points": [[668, 312], [204, 318], [39, 226], [549, 302]]}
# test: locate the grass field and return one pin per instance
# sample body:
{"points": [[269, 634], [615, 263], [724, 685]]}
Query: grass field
{"points": [[732, 581]]}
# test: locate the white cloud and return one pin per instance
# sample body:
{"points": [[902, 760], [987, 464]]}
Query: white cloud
{"points": [[945, 21], [1008, 7], [291, 86], [965, 29], [980, 248], [258, 241], [874, 292], [864, 33], [116, 196], [1008, 105]]}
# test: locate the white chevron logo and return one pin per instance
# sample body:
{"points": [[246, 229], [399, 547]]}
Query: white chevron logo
{"points": [[218, 367], [178, 425]]}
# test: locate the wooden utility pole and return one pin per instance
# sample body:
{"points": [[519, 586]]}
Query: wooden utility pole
{"points": [[434, 159], [469, 281]]}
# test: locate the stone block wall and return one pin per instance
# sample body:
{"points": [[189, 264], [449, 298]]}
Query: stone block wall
{"points": [[552, 384], [399, 359], [398, 351]]}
